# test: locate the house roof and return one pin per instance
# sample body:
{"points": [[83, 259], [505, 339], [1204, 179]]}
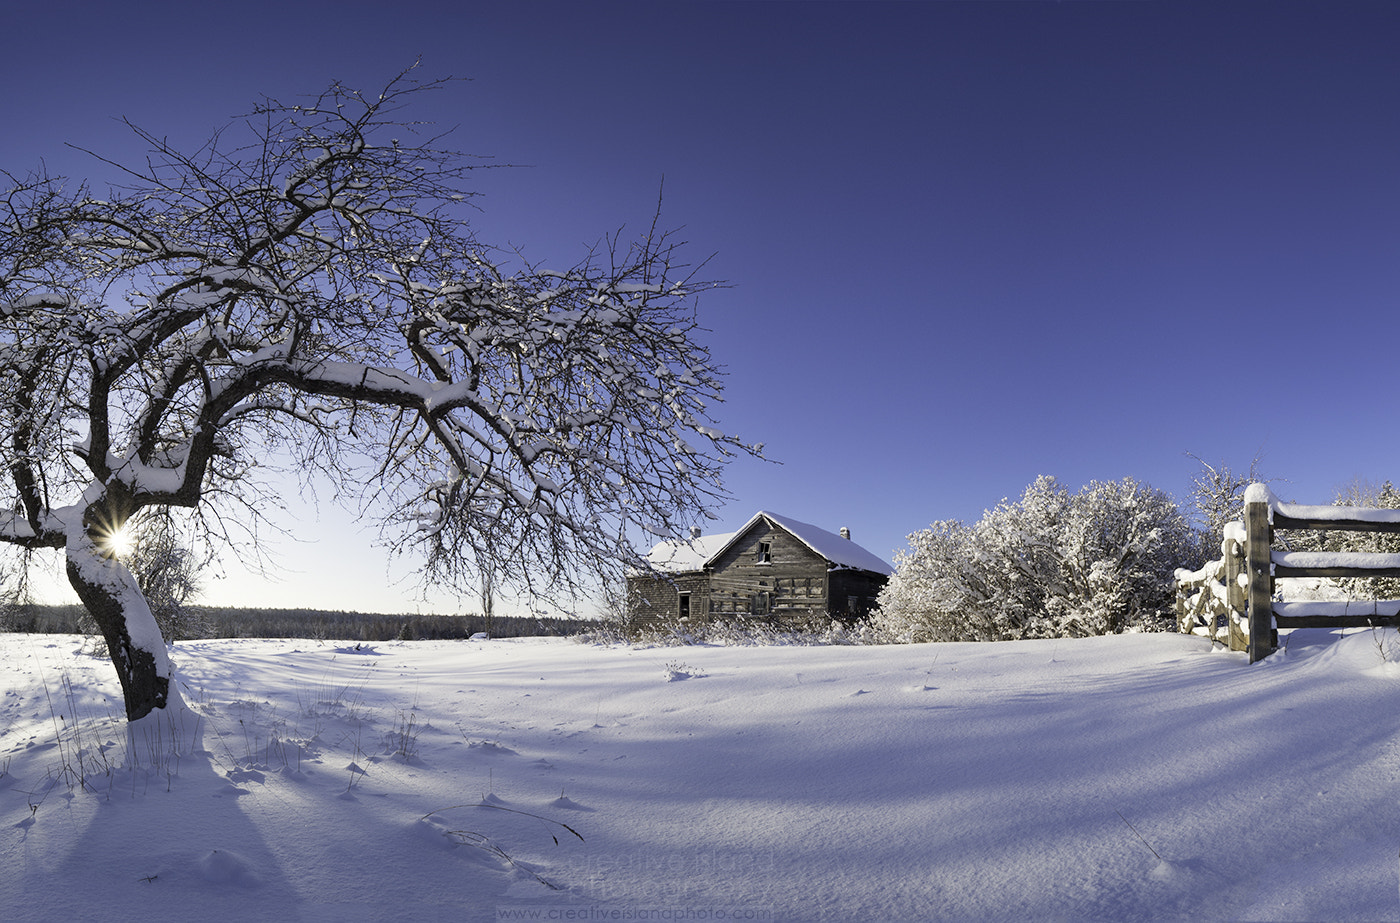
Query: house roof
{"points": [[677, 556], [680, 556]]}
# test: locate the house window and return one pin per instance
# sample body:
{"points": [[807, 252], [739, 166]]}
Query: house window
{"points": [[765, 552], [685, 605]]}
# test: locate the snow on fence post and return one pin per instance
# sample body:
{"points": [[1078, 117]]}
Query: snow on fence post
{"points": [[1236, 583], [1259, 540]]}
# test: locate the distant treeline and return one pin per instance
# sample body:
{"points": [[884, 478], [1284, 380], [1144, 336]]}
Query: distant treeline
{"points": [[218, 622]]}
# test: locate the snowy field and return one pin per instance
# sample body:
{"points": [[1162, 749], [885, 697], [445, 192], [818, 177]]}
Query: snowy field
{"points": [[1138, 777]]}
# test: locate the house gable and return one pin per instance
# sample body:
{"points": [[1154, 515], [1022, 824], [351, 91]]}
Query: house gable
{"points": [[838, 550], [766, 569]]}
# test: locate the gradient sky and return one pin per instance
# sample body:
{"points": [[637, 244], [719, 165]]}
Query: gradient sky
{"points": [[966, 243]]}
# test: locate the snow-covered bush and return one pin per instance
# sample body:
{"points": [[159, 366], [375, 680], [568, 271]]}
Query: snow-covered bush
{"points": [[1051, 564], [940, 590]]}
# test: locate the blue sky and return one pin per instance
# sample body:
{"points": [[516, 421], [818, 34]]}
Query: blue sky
{"points": [[966, 243]]}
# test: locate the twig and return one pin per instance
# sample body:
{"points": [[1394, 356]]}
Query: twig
{"points": [[1139, 835], [498, 807]]}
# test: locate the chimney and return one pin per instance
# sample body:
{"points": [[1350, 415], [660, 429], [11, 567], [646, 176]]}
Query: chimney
{"points": [[846, 533], [694, 533]]}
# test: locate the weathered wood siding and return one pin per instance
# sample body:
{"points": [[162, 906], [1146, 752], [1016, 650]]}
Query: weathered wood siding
{"points": [[657, 599], [793, 579], [853, 593]]}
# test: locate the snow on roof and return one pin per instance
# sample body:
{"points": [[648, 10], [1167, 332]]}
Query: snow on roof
{"points": [[679, 556], [839, 551]]}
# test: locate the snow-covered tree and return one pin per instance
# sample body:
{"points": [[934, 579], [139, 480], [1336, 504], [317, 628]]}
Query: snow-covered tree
{"points": [[306, 286], [1365, 494], [1217, 494], [1051, 564]]}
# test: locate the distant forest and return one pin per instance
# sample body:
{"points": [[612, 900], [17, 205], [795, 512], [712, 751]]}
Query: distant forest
{"points": [[220, 622]]}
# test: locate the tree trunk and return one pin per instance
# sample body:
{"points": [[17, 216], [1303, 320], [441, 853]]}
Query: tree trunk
{"points": [[134, 641]]}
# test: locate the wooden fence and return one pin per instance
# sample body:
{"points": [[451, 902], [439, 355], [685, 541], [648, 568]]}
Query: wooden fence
{"points": [[1231, 600]]}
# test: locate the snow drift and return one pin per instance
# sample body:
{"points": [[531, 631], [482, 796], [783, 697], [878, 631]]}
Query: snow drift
{"points": [[1133, 777]]}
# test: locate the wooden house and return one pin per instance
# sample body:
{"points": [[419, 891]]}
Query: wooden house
{"points": [[773, 567]]}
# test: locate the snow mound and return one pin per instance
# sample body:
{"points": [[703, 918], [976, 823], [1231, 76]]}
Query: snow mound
{"points": [[224, 866], [568, 804]]}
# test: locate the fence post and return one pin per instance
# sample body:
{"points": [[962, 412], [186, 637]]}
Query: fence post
{"points": [[1179, 604], [1259, 541], [1232, 552]]}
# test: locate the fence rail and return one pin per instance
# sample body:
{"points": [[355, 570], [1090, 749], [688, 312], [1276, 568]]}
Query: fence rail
{"points": [[1231, 600], [1211, 601]]}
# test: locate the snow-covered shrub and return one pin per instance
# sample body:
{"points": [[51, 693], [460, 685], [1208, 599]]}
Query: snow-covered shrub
{"points": [[1051, 564]]}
